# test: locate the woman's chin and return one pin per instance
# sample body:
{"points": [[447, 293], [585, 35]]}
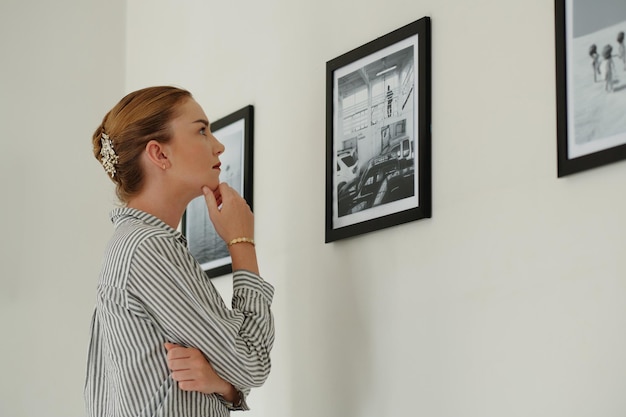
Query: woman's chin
{"points": [[212, 186]]}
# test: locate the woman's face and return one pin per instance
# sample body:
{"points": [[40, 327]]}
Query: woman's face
{"points": [[194, 152]]}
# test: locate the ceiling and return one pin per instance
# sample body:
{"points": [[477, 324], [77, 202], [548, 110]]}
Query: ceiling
{"points": [[367, 74]]}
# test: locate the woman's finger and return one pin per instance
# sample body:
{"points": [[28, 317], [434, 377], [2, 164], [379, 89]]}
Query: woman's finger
{"points": [[211, 202], [183, 375]]}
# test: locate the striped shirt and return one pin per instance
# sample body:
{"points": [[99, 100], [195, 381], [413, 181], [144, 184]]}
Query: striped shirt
{"points": [[151, 291]]}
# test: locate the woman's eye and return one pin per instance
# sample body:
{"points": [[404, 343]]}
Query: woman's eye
{"points": [[203, 131]]}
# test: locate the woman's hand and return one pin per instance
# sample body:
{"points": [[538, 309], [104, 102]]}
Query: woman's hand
{"points": [[234, 218], [193, 372]]}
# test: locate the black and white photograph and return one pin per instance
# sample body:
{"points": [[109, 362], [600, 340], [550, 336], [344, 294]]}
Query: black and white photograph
{"points": [[378, 133], [235, 132], [591, 83]]}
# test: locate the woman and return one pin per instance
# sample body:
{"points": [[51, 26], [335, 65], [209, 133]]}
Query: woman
{"points": [[595, 61], [154, 304], [607, 67], [621, 48]]}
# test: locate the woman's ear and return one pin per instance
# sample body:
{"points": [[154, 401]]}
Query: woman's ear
{"points": [[156, 154]]}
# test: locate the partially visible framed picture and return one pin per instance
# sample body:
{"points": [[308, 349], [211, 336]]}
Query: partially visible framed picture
{"points": [[235, 132], [591, 83], [378, 150]]}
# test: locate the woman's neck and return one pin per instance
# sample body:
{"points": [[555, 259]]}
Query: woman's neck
{"points": [[170, 211]]}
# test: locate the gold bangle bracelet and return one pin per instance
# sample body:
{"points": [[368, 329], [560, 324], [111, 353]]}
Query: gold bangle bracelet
{"points": [[241, 240]]}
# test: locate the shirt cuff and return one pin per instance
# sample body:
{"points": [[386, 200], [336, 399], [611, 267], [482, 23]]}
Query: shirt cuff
{"points": [[243, 279], [241, 405]]}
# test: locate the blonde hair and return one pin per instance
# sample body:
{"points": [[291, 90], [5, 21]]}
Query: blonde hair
{"points": [[138, 118]]}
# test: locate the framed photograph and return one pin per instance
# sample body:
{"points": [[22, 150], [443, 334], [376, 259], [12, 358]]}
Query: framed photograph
{"points": [[378, 150], [235, 132], [591, 83]]}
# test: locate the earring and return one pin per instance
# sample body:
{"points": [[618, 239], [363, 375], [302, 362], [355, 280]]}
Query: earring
{"points": [[163, 167]]}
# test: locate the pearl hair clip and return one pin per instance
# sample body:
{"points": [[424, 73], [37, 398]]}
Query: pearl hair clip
{"points": [[108, 157]]}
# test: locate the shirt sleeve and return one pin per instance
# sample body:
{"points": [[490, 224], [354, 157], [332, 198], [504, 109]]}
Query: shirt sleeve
{"points": [[167, 287]]}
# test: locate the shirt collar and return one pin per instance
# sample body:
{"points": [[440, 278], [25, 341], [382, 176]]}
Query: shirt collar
{"points": [[122, 214]]}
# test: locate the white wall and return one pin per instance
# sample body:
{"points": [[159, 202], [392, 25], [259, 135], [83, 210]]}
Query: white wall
{"points": [[61, 67], [510, 301]]}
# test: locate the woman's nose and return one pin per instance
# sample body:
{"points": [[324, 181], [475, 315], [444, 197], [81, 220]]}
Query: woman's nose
{"points": [[219, 147]]}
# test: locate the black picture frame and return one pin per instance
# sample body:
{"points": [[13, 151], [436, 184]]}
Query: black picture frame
{"points": [[378, 133], [591, 129], [235, 132]]}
